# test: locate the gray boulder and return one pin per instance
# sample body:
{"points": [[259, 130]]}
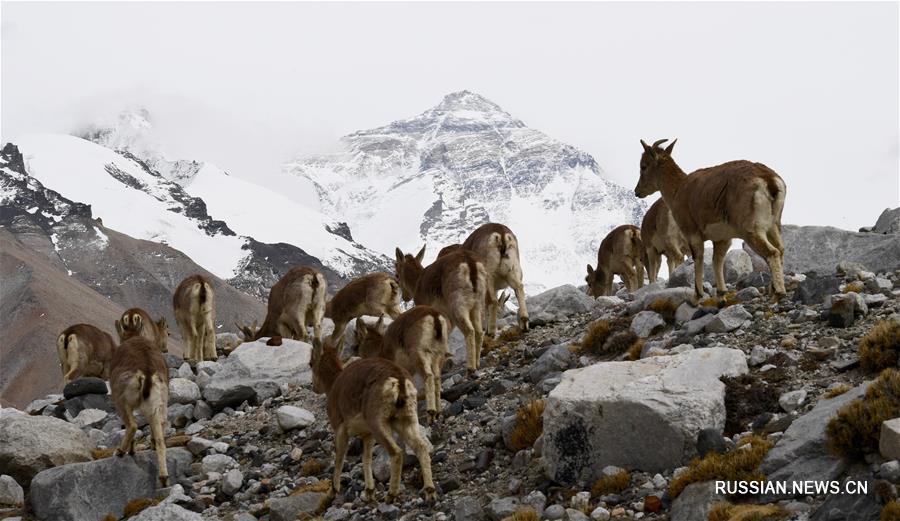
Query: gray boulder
{"points": [[729, 319], [591, 417], [557, 358], [801, 452], [850, 507], [290, 417], [815, 288], [502, 508], [565, 300], [291, 507], [737, 265], [646, 323], [888, 221], [695, 502], [182, 390], [167, 512], [889, 440], [30, 444], [85, 385], [11, 494], [93, 489], [257, 367], [821, 248]]}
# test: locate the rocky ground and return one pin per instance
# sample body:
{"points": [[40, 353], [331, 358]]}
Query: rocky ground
{"points": [[251, 440]]}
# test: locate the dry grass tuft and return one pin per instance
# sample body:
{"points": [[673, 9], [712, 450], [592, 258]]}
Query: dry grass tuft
{"points": [[611, 484], [621, 342], [102, 453], [664, 307], [596, 335], [529, 425], [634, 352], [311, 467], [880, 347], [837, 391], [135, 506], [738, 465], [489, 344], [523, 514], [725, 511], [890, 512], [709, 302], [855, 430], [323, 485], [179, 440], [110, 517], [510, 334], [855, 287]]}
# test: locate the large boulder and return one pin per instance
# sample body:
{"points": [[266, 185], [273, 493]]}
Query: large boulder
{"points": [[695, 502], [91, 490], [85, 385], [255, 369], [815, 288], [821, 248], [638, 415], [801, 453], [729, 319], [561, 300], [30, 444], [888, 221]]}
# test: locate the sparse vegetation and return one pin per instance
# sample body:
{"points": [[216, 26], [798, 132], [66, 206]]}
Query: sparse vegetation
{"points": [[611, 484], [855, 430], [529, 425], [891, 511], [634, 352], [135, 506], [837, 391], [523, 514], [855, 287], [311, 467], [102, 453], [665, 307], [597, 333], [746, 397], [726, 511], [740, 464], [510, 334], [880, 347], [323, 485], [621, 342]]}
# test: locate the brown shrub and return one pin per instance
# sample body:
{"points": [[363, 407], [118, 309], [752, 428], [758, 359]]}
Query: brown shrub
{"points": [[634, 352], [596, 335], [323, 485], [621, 342], [523, 514], [746, 397], [880, 347], [102, 453], [664, 307], [855, 287], [611, 484], [510, 334], [738, 465], [837, 391], [855, 430], [725, 511], [529, 425], [135, 506], [311, 467], [890, 512]]}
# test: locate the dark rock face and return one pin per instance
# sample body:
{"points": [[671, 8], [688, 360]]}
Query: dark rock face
{"points": [[82, 386], [710, 440], [815, 288]]}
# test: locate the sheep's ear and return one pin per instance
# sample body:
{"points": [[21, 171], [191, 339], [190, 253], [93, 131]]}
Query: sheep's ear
{"points": [[360, 329], [590, 270], [420, 255], [399, 255], [646, 146]]}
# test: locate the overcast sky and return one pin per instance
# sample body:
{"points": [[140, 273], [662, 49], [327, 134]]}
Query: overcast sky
{"points": [[809, 89]]}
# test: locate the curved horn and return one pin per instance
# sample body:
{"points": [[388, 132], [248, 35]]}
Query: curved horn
{"points": [[659, 142]]}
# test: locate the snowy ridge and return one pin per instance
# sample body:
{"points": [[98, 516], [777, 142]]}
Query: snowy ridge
{"points": [[435, 177]]}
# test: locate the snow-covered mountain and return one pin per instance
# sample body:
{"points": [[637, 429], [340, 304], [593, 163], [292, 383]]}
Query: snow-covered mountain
{"points": [[435, 177], [237, 230]]}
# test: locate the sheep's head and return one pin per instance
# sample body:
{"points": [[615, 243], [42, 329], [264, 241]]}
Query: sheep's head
{"points": [[653, 156], [408, 270]]}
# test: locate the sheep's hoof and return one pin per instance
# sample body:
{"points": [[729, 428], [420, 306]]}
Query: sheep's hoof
{"points": [[164, 481], [431, 417], [369, 495], [430, 494], [523, 323], [391, 497], [119, 453]]}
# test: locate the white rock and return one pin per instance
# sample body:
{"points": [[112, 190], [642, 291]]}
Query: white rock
{"points": [[184, 371], [217, 463], [10, 492], [889, 443], [759, 355], [91, 417], [600, 514], [182, 390], [791, 401], [290, 417], [592, 416], [232, 482]]}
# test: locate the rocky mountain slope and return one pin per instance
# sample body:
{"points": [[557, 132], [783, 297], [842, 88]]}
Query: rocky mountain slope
{"points": [[65, 266], [621, 407], [435, 177]]}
